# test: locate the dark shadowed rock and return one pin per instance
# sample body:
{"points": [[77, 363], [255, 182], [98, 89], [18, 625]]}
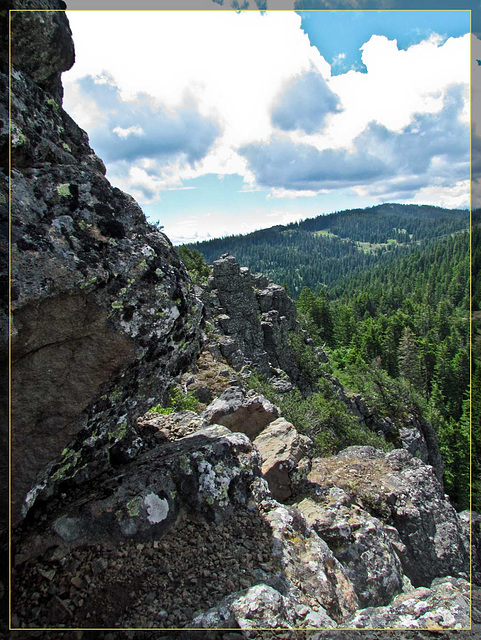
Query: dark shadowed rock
{"points": [[248, 413], [104, 314], [42, 44]]}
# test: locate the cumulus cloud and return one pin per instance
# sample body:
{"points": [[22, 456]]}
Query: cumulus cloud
{"points": [[304, 104], [296, 166], [433, 148], [201, 54], [141, 128], [227, 93]]}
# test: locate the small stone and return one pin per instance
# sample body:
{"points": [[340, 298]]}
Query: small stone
{"points": [[48, 574]]}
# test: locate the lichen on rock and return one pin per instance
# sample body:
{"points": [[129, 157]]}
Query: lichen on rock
{"points": [[100, 298]]}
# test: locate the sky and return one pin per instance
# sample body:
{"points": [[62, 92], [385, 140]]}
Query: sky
{"points": [[224, 122]]}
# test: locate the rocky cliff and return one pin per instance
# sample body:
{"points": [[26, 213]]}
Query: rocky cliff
{"points": [[104, 315], [252, 319]]}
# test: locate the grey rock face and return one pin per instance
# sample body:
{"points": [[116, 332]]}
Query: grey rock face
{"points": [[472, 523], [360, 543], [403, 493], [248, 413], [42, 44], [281, 447], [254, 317], [104, 314], [444, 606]]}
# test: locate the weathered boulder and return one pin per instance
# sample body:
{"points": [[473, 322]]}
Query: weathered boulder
{"points": [[443, 606], [360, 543], [261, 607], [209, 471], [309, 570], [254, 318], [189, 520], [281, 447], [104, 313], [403, 493], [248, 413]]}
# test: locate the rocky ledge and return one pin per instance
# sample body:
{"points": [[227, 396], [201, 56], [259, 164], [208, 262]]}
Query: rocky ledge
{"points": [[216, 529]]}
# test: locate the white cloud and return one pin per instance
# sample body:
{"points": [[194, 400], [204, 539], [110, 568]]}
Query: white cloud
{"points": [[398, 84], [456, 196], [129, 131], [230, 68], [230, 65]]}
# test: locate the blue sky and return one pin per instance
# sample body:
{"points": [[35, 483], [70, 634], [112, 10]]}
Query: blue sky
{"points": [[344, 32], [226, 122]]}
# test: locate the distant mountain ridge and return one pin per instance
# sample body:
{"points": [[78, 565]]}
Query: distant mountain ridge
{"points": [[322, 250]]}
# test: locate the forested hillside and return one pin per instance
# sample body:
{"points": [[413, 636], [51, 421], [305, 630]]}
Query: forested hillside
{"points": [[326, 249], [399, 333], [385, 292]]}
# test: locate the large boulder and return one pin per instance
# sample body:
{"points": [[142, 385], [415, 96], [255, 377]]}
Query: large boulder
{"points": [[281, 447], [181, 513], [103, 312], [248, 413], [403, 493], [360, 543], [208, 471]]}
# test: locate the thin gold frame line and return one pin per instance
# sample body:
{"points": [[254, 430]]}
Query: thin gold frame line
{"points": [[10, 319]]}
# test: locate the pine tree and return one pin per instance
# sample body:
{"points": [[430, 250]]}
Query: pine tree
{"points": [[408, 358]]}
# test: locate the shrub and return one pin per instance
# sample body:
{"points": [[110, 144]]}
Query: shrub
{"points": [[178, 401]]}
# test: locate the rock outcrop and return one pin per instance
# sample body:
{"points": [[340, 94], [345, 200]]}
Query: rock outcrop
{"points": [[403, 493], [252, 317], [248, 413], [104, 314]]}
